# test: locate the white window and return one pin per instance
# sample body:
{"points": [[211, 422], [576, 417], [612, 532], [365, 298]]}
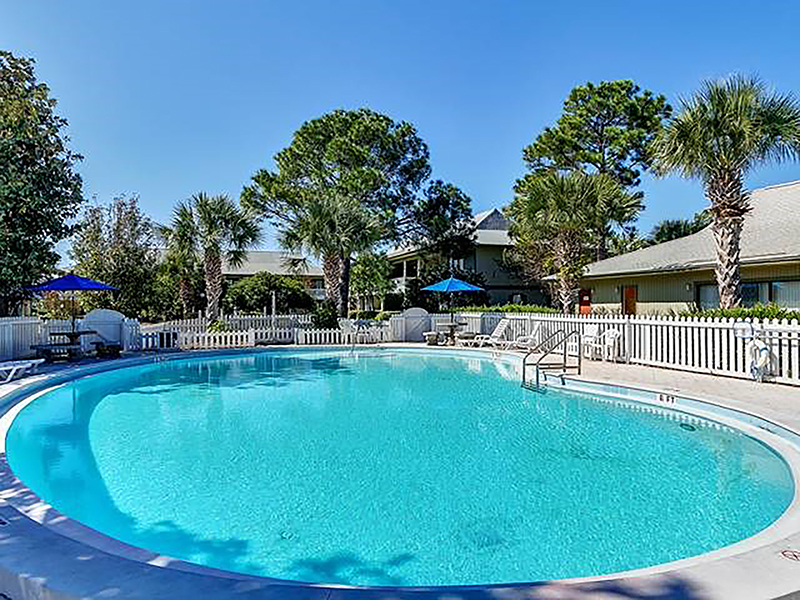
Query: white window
{"points": [[786, 294], [752, 294], [708, 296]]}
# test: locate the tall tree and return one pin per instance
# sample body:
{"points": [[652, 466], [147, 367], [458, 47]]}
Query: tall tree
{"points": [[39, 189], [441, 222], [372, 277], [116, 244], [212, 229], [255, 293], [182, 259], [605, 128], [348, 180], [721, 134], [550, 214]]}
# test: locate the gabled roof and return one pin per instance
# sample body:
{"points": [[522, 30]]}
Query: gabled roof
{"points": [[490, 220], [273, 261], [491, 229], [771, 234]]}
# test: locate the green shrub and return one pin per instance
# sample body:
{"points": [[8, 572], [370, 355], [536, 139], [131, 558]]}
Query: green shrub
{"points": [[508, 308], [253, 294], [325, 315], [217, 327], [385, 315], [759, 311], [363, 314]]}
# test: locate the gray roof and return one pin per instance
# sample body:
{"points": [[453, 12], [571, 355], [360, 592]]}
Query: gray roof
{"points": [[491, 219], [771, 234], [273, 261], [491, 229]]}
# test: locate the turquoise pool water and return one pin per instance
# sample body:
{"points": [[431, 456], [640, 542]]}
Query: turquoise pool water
{"points": [[387, 468]]}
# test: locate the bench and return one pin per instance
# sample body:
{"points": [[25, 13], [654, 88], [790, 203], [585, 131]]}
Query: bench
{"points": [[50, 352], [105, 349]]}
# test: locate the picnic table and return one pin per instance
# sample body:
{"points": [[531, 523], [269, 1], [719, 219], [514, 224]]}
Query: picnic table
{"points": [[73, 336], [71, 349], [452, 327]]}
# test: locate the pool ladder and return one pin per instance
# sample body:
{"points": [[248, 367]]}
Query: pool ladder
{"points": [[547, 347]]}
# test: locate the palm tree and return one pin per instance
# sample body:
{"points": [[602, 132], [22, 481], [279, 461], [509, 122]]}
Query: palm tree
{"points": [[332, 230], [673, 229], [615, 208], [554, 214], [210, 229], [181, 255], [720, 134]]}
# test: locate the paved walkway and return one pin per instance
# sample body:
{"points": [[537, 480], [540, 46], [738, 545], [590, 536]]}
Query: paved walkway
{"points": [[772, 401]]}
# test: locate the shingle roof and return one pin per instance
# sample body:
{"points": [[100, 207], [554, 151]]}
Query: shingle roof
{"points": [[771, 234], [274, 261]]}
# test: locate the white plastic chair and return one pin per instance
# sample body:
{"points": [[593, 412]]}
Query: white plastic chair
{"points": [[605, 345]]}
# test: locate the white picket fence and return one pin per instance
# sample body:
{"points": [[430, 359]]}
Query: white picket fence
{"points": [[698, 344], [685, 343], [321, 337], [234, 323]]}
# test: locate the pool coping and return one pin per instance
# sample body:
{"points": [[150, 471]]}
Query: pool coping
{"points": [[718, 574]]}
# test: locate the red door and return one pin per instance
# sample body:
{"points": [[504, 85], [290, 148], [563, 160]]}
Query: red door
{"points": [[585, 302], [630, 295]]}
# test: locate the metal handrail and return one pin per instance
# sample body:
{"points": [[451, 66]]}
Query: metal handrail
{"points": [[566, 335]]}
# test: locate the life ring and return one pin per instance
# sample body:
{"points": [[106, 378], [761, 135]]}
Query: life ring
{"points": [[759, 355]]}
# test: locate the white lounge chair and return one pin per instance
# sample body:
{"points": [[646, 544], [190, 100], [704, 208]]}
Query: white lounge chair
{"points": [[604, 345], [14, 368], [495, 339]]}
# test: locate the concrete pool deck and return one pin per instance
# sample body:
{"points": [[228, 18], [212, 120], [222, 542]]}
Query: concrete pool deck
{"points": [[46, 562]]}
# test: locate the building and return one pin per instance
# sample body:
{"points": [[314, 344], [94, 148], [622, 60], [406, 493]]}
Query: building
{"points": [[278, 263], [679, 274], [491, 241]]}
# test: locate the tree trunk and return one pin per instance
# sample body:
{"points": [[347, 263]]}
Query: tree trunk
{"points": [[332, 276], [566, 257], [568, 289], [344, 287], [186, 294], [213, 272], [727, 234], [729, 205]]}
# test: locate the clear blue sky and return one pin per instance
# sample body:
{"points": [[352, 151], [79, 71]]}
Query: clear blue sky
{"points": [[166, 98]]}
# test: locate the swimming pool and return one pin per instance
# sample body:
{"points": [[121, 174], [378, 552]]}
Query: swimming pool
{"points": [[388, 468]]}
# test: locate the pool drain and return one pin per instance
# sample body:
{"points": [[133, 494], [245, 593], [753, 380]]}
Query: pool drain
{"points": [[688, 427]]}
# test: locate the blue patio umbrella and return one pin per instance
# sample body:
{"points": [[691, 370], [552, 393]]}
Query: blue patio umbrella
{"points": [[72, 283], [451, 286]]}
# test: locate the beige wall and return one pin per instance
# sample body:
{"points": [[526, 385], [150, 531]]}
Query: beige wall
{"points": [[667, 293]]}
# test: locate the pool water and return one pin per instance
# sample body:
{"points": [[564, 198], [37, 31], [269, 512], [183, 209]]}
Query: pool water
{"points": [[387, 468]]}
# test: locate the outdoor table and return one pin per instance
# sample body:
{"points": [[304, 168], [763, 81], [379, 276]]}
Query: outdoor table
{"points": [[74, 343], [73, 336], [452, 327]]}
